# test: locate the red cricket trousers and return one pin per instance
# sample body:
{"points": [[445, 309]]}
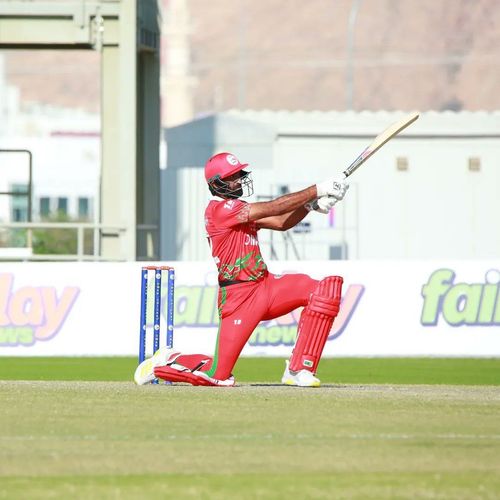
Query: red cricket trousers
{"points": [[242, 306]]}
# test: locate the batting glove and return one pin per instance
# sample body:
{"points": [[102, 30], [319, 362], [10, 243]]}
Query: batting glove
{"points": [[322, 205], [335, 188]]}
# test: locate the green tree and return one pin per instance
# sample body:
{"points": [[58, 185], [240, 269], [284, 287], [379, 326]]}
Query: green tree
{"points": [[60, 241]]}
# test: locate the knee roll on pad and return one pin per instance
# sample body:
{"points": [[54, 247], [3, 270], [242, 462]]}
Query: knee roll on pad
{"points": [[324, 306], [315, 324]]}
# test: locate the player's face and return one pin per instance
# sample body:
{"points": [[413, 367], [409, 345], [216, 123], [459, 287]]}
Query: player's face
{"points": [[234, 184]]}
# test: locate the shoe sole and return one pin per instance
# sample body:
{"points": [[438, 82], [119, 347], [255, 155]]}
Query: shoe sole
{"points": [[292, 383], [145, 374]]}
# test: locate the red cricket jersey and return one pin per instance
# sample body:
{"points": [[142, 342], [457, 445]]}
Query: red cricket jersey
{"points": [[233, 241]]}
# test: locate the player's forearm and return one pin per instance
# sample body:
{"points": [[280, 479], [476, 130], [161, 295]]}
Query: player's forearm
{"points": [[282, 205], [291, 219]]}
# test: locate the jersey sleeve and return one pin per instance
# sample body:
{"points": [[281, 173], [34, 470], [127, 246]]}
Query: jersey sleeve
{"points": [[231, 213]]}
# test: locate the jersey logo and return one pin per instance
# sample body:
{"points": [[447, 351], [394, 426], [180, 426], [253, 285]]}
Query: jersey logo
{"points": [[229, 204], [250, 240]]}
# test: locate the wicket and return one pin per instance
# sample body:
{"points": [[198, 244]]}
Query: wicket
{"points": [[169, 336]]}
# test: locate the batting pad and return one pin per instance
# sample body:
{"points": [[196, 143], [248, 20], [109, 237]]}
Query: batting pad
{"points": [[315, 324], [178, 373]]}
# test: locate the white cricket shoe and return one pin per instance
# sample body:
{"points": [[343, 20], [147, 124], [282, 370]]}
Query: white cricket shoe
{"points": [[144, 373], [302, 378]]}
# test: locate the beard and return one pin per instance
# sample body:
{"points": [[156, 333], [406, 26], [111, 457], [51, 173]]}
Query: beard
{"points": [[236, 193]]}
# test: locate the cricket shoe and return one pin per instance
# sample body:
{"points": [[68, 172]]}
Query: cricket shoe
{"points": [[302, 378], [145, 371]]}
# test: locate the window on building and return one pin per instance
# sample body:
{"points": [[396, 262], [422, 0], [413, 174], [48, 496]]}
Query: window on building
{"points": [[19, 215], [83, 208], [44, 207], [62, 206], [19, 203]]}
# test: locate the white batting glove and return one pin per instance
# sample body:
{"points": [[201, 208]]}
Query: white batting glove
{"points": [[322, 205], [325, 204], [331, 187]]}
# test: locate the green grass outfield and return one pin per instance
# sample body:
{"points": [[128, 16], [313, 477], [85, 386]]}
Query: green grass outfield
{"points": [[454, 371], [376, 429]]}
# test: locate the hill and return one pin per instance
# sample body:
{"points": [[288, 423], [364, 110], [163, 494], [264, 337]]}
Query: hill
{"points": [[291, 54]]}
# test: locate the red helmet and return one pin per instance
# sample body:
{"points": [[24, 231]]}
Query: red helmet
{"points": [[222, 165]]}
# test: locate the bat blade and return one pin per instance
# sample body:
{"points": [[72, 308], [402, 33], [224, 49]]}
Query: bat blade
{"points": [[379, 141]]}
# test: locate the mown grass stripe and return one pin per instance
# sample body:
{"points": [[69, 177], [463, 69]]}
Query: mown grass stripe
{"points": [[452, 371]]}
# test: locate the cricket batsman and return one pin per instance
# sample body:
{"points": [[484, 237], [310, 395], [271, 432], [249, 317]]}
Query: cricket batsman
{"points": [[248, 292]]}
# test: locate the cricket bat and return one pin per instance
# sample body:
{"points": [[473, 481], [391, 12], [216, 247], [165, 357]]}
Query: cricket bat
{"points": [[379, 141]]}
